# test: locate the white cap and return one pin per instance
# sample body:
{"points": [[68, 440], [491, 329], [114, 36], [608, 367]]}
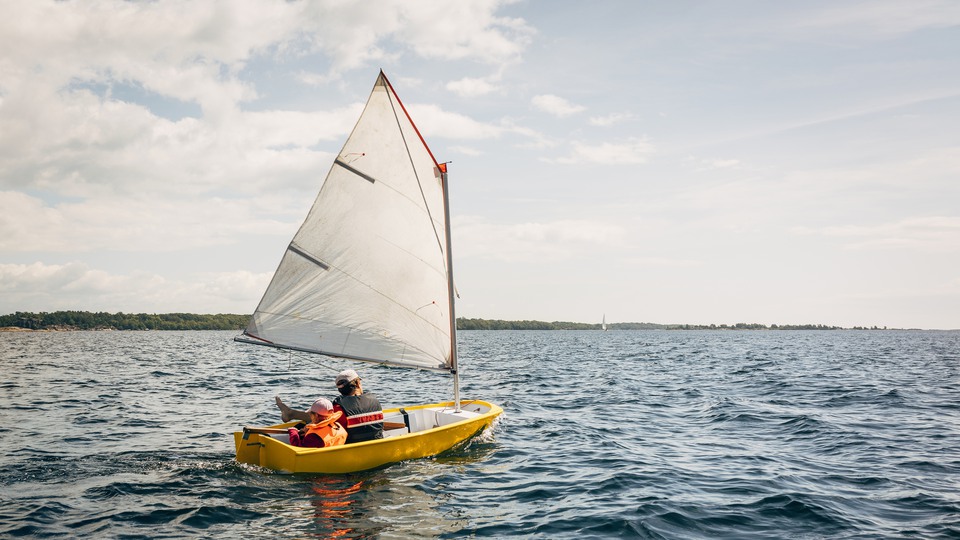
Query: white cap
{"points": [[346, 376], [322, 406]]}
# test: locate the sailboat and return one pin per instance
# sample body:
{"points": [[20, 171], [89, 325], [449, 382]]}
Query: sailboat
{"points": [[369, 277], [603, 325]]}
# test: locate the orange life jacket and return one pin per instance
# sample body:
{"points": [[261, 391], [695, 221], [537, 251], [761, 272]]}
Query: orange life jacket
{"points": [[329, 431]]}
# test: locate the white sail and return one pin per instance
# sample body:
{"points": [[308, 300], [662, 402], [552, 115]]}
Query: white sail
{"points": [[366, 277]]}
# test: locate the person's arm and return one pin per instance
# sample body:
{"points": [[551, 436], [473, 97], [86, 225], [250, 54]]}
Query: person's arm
{"points": [[294, 437]]}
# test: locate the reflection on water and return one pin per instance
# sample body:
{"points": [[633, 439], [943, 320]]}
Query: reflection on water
{"points": [[409, 499], [335, 507], [397, 502]]}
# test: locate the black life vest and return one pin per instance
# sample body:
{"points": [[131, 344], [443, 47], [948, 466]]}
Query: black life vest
{"points": [[362, 416]]}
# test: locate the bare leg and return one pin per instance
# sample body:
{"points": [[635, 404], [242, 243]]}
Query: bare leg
{"points": [[287, 413]]}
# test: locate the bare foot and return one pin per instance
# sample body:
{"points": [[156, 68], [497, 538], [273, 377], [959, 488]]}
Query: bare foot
{"points": [[286, 413]]}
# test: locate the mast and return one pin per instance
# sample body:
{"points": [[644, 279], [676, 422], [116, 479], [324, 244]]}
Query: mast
{"points": [[450, 288], [451, 293]]}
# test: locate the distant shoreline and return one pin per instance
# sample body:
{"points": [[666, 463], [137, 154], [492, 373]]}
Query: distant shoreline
{"points": [[68, 321]]}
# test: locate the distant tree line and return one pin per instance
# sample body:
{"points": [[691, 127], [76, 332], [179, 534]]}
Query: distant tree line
{"points": [[497, 324], [85, 320]]}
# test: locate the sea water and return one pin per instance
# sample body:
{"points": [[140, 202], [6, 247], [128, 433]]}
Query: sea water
{"points": [[654, 434]]}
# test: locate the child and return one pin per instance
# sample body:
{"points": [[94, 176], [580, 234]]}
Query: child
{"points": [[323, 430]]}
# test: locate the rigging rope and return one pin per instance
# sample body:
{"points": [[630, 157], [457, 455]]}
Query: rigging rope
{"points": [[313, 358], [391, 95]]}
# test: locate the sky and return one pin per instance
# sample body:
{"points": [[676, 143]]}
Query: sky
{"points": [[689, 162]]}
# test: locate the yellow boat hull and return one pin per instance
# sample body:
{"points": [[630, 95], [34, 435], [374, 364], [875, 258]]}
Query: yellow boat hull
{"points": [[434, 428]]}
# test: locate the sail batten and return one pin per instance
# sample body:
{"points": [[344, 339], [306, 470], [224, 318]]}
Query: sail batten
{"points": [[299, 251], [361, 174], [380, 292]]}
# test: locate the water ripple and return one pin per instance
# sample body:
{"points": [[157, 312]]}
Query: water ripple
{"points": [[605, 434]]}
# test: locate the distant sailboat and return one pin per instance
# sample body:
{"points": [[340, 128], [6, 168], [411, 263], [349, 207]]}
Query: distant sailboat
{"points": [[369, 277], [603, 325]]}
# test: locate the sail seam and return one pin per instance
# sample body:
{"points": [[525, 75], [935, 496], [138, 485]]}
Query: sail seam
{"points": [[363, 175]]}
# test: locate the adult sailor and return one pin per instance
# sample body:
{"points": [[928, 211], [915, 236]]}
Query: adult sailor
{"points": [[362, 413]]}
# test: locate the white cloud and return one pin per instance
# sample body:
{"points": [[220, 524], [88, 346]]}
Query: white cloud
{"points": [[632, 151], [930, 233], [317, 80], [556, 105], [175, 49], [81, 145], [435, 122], [136, 127], [535, 241], [109, 174], [610, 119], [355, 34], [457, 30], [663, 262], [43, 287], [140, 224], [724, 163], [469, 87], [195, 52], [721, 163], [884, 17], [465, 150], [535, 139]]}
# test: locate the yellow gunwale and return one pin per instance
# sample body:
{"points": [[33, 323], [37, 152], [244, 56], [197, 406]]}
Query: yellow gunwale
{"points": [[265, 451]]}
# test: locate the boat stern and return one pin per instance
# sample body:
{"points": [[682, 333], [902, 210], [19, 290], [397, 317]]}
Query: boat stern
{"points": [[248, 448], [265, 450]]}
